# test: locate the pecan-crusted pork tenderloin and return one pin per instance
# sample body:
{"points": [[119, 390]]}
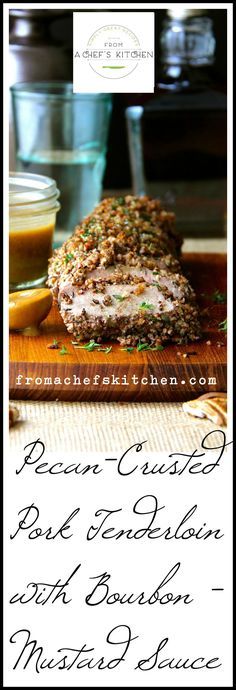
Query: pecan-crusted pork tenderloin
{"points": [[118, 277]]}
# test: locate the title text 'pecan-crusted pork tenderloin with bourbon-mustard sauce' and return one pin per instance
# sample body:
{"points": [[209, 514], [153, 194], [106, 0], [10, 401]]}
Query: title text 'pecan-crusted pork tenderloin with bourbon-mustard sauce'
{"points": [[119, 278]]}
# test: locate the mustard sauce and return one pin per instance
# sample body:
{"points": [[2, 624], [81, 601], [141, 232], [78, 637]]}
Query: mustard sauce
{"points": [[29, 251], [27, 308]]}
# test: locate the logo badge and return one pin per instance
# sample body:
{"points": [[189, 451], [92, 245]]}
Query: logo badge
{"points": [[113, 52]]}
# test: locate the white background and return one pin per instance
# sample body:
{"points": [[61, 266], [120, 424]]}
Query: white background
{"points": [[202, 628]]}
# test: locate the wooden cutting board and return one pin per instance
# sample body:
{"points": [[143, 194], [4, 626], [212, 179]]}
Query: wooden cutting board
{"points": [[39, 373]]}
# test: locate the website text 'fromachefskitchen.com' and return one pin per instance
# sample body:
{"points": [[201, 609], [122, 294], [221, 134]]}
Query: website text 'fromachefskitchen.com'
{"points": [[97, 380]]}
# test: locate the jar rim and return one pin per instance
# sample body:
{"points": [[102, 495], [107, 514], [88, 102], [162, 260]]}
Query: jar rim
{"points": [[54, 90], [28, 191], [196, 20], [28, 187]]}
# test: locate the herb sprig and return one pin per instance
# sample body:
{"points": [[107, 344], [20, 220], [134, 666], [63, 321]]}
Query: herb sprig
{"points": [[223, 326], [146, 306], [54, 345], [91, 346], [120, 298], [64, 351], [105, 349], [219, 297], [120, 201], [68, 257], [85, 234], [143, 347]]}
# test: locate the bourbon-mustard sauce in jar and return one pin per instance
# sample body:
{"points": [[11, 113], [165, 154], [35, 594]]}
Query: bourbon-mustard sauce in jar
{"points": [[33, 204]]}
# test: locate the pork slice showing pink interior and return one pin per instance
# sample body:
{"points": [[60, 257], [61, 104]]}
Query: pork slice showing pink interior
{"points": [[136, 290]]}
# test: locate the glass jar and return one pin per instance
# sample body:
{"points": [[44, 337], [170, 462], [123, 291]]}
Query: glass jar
{"points": [[187, 49], [33, 205], [35, 52]]}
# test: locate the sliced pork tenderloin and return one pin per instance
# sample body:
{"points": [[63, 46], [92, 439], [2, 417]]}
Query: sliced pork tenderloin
{"points": [[119, 277]]}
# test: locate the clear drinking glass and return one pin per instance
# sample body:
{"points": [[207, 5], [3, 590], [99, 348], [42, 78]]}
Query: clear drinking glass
{"points": [[64, 136]]}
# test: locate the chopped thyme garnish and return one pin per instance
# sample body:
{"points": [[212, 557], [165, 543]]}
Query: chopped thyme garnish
{"points": [[54, 345], [145, 346], [142, 346], [120, 201], [85, 234], [219, 297], [120, 298], [64, 351], [146, 306], [223, 326], [105, 349], [89, 346], [68, 257]]}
